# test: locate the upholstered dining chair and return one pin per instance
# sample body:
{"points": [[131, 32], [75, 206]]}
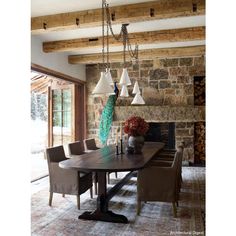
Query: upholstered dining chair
{"points": [[168, 156], [77, 148], [159, 182], [90, 145], [65, 181]]}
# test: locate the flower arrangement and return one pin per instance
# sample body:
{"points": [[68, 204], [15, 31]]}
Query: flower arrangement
{"points": [[136, 126]]}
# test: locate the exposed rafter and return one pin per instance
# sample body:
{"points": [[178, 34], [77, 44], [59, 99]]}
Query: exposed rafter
{"points": [[120, 14], [40, 84], [143, 55], [162, 36]]}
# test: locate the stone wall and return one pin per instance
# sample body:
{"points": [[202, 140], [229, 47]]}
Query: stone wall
{"points": [[167, 86]]}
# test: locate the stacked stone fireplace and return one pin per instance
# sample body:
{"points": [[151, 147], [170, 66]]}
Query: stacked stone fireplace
{"points": [[169, 88]]}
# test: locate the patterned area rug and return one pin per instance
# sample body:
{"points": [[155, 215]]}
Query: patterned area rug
{"points": [[156, 218]]}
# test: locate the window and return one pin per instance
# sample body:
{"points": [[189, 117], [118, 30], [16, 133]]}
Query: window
{"points": [[61, 115]]}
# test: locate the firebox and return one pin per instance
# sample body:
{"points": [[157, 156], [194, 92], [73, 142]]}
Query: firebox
{"points": [[162, 132]]}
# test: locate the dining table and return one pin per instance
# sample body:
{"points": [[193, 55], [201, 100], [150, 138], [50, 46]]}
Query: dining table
{"points": [[105, 160]]}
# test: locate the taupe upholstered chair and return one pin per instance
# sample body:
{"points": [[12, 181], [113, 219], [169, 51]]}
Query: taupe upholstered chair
{"points": [[168, 155], [90, 145], [77, 148], [159, 182], [65, 181]]}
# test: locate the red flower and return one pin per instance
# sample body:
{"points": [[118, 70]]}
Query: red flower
{"points": [[136, 126]]}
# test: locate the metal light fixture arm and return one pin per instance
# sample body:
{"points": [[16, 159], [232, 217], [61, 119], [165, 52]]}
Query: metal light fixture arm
{"points": [[123, 35]]}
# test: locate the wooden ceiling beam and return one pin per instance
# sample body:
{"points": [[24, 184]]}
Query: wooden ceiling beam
{"points": [[143, 55], [162, 36], [119, 14]]}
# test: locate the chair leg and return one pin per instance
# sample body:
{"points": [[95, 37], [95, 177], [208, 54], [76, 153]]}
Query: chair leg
{"points": [[91, 192], [138, 207], [174, 209], [116, 175], [96, 188], [95, 180], [78, 202], [50, 199], [108, 178]]}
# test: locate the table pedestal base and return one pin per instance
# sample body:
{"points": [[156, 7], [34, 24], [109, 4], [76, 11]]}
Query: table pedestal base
{"points": [[107, 216]]}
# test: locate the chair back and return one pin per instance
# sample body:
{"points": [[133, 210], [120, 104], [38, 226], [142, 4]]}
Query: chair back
{"points": [[178, 169], [76, 148], [61, 180], [55, 154], [177, 159], [180, 149], [90, 144]]}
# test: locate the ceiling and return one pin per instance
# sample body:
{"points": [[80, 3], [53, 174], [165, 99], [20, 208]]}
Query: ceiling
{"points": [[43, 8]]}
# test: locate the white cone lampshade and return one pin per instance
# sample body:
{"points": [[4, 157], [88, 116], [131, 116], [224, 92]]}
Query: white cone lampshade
{"points": [[136, 88], [103, 86], [138, 99], [124, 79], [108, 75], [124, 91]]}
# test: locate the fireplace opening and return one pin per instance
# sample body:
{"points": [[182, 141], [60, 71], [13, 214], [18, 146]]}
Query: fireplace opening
{"points": [[162, 132]]}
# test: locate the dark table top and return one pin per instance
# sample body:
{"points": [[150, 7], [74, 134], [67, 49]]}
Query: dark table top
{"points": [[105, 159]]}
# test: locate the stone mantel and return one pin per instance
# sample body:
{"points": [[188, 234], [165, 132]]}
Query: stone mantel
{"points": [[161, 113]]}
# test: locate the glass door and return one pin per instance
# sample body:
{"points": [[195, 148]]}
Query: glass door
{"points": [[61, 124]]}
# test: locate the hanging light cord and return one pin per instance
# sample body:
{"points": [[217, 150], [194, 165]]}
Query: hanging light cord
{"points": [[116, 37], [137, 60], [132, 53], [107, 22], [103, 34], [123, 35], [123, 32]]}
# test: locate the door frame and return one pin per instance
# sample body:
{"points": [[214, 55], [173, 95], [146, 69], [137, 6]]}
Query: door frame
{"points": [[78, 103]]}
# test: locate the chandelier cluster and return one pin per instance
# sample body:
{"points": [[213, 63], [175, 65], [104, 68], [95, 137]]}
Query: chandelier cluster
{"points": [[104, 85]]}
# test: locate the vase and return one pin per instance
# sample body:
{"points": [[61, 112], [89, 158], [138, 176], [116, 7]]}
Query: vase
{"points": [[136, 143]]}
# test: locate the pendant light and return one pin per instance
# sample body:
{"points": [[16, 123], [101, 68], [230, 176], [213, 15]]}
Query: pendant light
{"points": [[138, 99], [109, 77], [124, 91], [124, 80], [103, 85], [136, 88]]}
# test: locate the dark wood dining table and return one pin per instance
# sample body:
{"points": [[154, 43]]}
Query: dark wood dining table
{"points": [[106, 160]]}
